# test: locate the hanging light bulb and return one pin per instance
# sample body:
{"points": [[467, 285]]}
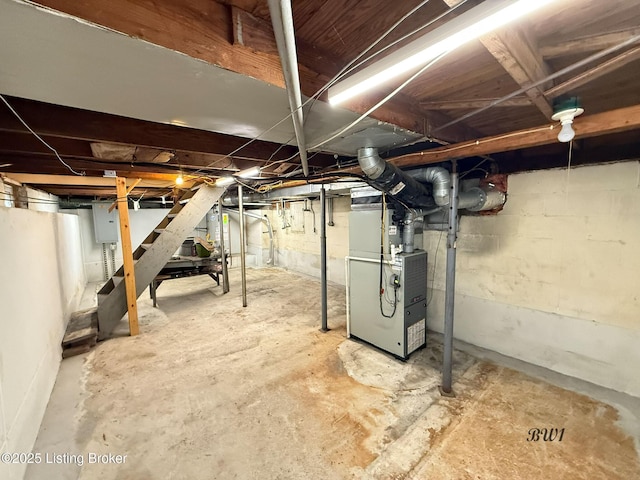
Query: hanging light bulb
{"points": [[565, 112], [566, 132], [179, 180]]}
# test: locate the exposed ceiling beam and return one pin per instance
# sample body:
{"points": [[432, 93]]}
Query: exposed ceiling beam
{"points": [[84, 181], [48, 163], [513, 50], [24, 145], [588, 44], [101, 192], [613, 121], [257, 34], [205, 31], [525, 65], [475, 103], [73, 123], [596, 72]]}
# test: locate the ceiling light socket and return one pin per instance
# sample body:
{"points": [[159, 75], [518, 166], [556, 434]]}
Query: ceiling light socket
{"points": [[564, 112]]}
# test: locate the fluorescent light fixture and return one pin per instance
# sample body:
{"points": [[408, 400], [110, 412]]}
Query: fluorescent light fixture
{"points": [[225, 181], [249, 172], [486, 17]]}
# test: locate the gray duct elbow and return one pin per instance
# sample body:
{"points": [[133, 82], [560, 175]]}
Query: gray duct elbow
{"points": [[439, 178], [371, 163]]}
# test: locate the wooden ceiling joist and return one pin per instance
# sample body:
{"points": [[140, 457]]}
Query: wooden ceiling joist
{"points": [[522, 62], [588, 44], [613, 121], [598, 71], [475, 103], [73, 123], [206, 31], [84, 181]]}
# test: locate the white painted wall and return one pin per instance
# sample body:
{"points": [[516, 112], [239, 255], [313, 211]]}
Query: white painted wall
{"points": [[142, 222], [42, 201], [298, 246], [42, 281], [38, 200], [554, 278]]}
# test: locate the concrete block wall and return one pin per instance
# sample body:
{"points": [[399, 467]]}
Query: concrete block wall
{"points": [[41, 284], [298, 246], [554, 278]]}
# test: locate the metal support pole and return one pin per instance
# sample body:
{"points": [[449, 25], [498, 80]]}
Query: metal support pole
{"points": [[242, 252], [450, 285], [330, 207], [223, 253], [323, 257]]}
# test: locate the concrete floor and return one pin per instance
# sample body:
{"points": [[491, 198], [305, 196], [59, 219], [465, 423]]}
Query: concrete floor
{"points": [[211, 390]]}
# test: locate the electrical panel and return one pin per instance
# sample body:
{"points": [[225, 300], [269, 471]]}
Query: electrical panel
{"points": [[105, 223]]}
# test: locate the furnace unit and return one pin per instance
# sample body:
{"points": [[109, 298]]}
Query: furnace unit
{"points": [[394, 320]]}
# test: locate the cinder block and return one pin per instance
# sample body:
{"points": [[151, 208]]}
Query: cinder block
{"points": [[532, 293], [619, 228], [478, 244], [578, 203], [612, 176], [523, 203], [570, 229], [626, 202], [540, 182], [539, 226], [496, 225], [555, 204], [531, 251]]}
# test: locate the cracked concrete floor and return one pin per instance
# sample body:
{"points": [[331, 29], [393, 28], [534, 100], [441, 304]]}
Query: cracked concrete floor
{"points": [[211, 390]]}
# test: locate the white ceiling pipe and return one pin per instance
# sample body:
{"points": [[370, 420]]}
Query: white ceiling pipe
{"points": [[282, 20]]}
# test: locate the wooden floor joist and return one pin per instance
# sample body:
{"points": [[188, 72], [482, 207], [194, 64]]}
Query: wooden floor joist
{"points": [[613, 121]]}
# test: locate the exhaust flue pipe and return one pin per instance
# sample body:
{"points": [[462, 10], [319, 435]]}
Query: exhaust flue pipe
{"points": [[390, 179]]}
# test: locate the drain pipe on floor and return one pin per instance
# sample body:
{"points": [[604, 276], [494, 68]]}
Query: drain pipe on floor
{"points": [[242, 252], [447, 361], [323, 257]]}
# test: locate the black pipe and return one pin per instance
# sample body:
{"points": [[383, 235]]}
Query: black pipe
{"points": [[323, 258], [390, 179]]}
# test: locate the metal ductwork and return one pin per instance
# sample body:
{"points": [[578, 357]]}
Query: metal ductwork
{"points": [[476, 199], [390, 179], [411, 218], [438, 177]]}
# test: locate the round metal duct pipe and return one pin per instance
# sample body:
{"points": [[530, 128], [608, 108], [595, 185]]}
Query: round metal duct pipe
{"points": [[393, 181]]}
